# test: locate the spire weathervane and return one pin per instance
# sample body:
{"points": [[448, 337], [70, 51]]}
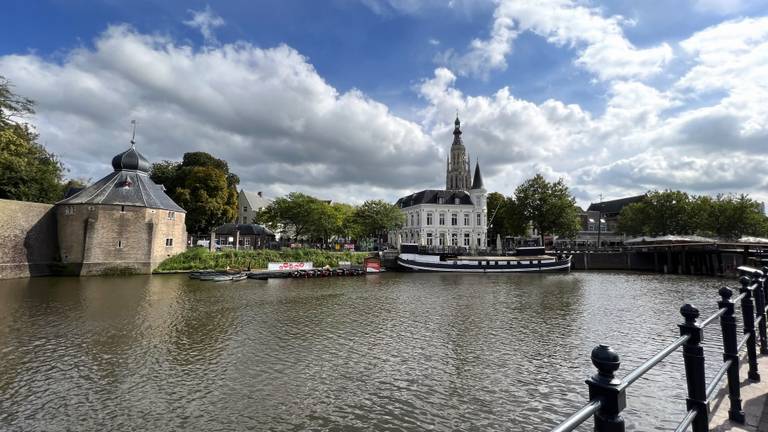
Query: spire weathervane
{"points": [[133, 137]]}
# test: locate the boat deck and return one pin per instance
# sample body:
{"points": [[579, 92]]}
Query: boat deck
{"points": [[505, 258]]}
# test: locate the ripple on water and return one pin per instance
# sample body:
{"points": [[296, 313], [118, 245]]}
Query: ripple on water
{"points": [[395, 352]]}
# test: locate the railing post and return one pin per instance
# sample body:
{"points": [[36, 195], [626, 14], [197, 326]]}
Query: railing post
{"points": [[748, 312], [605, 386], [730, 342], [760, 311], [693, 356]]}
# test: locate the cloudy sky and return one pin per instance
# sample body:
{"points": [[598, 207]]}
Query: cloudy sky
{"points": [[355, 99]]}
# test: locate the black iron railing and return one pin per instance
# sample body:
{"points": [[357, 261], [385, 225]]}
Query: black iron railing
{"points": [[607, 393]]}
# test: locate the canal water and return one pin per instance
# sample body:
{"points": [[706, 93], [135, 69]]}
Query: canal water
{"points": [[388, 352]]}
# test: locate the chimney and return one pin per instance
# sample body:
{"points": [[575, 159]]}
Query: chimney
{"points": [[259, 194]]}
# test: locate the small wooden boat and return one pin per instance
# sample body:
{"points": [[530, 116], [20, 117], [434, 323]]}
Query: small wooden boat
{"points": [[223, 277]]}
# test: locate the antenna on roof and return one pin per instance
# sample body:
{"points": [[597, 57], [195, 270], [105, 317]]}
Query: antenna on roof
{"points": [[133, 137]]}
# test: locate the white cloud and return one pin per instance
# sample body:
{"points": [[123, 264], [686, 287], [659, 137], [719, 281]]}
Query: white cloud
{"points": [[603, 48], [266, 111], [206, 21]]}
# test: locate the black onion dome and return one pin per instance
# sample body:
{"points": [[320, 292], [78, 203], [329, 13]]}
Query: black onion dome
{"points": [[131, 160]]}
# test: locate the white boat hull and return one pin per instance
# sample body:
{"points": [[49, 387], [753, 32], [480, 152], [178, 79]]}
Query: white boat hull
{"points": [[435, 263]]}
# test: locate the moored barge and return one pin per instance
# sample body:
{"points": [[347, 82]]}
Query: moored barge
{"points": [[525, 260]]}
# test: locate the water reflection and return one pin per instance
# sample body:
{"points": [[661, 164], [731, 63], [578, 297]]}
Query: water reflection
{"points": [[385, 352]]}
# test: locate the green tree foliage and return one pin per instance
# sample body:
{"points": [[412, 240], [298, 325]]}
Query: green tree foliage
{"points": [[549, 206], [203, 186], [726, 216], [374, 218], [28, 171], [296, 215], [505, 217]]}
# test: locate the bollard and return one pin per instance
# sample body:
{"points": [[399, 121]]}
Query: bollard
{"points": [[730, 342], [760, 310], [693, 356], [748, 313], [605, 386]]}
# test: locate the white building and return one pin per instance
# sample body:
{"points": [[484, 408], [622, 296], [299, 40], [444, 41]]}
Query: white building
{"points": [[249, 204], [456, 216]]}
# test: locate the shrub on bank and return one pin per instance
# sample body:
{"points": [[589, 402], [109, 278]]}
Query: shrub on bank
{"points": [[202, 259]]}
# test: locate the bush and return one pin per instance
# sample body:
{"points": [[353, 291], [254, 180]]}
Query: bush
{"points": [[202, 259]]}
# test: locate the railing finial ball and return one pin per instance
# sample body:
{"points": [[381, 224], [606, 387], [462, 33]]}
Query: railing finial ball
{"points": [[745, 281], [689, 312], [606, 360], [725, 292]]}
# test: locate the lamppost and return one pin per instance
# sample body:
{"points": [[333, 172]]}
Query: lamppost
{"points": [[599, 220]]}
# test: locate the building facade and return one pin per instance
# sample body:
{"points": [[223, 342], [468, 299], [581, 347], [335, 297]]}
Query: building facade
{"points": [[249, 203], [122, 223], [456, 216]]}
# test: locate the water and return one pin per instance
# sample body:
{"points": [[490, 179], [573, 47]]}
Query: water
{"points": [[387, 352]]}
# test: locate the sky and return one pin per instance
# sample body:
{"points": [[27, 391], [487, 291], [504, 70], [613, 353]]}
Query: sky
{"points": [[352, 100]]}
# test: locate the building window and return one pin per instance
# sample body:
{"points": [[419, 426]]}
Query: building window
{"points": [[478, 220], [69, 210], [591, 227], [429, 218], [429, 239], [171, 215], [441, 239], [454, 239], [440, 200], [119, 244], [442, 219], [457, 201], [478, 242], [466, 239], [418, 219], [454, 219], [411, 219], [245, 208], [168, 242], [466, 219]]}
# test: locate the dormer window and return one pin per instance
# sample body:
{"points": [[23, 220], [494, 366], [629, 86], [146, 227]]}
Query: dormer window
{"points": [[456, 201], [440, 200], [126, 184]]}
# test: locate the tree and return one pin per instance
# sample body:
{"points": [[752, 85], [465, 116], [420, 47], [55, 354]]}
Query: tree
{"points": [[728, 216], [633, 219], [374, 218], [28, 171], [203, 186], [505, 216], [296, 214], [549, 206]]}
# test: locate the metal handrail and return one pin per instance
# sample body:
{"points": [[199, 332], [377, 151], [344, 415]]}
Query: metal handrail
{"points": [[742, 343], [717, 378], [715, 316], [579, 417], [651, 362], [687, 420]]}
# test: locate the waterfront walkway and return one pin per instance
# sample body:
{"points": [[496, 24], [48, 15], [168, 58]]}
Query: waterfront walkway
{"points": [[754, 402]]}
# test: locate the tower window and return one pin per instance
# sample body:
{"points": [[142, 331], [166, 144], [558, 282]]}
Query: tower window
{"points": [[69, 210], [119, 244], [122, 209], [168, 242], [171, 215]]}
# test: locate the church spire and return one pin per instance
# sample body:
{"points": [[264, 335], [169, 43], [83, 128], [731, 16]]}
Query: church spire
{"points": [[477, 182]]}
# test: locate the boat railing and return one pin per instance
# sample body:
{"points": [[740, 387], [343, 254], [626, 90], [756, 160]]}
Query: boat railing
{"points": [[608, 394]]}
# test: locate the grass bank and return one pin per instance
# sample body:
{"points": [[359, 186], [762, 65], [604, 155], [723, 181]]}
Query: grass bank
{"points": [[201, 258]]}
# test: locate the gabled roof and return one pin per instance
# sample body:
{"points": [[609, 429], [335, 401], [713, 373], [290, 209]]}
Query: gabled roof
{"points": [[614, 206], [254, 200], [431, 196], [245, 229]]}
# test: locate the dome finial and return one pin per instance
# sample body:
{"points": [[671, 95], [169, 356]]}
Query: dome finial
{"points": [[133, 137], [457, 122]]}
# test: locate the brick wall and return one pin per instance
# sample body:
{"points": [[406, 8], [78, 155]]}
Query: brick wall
{"points": [[28, 240]]}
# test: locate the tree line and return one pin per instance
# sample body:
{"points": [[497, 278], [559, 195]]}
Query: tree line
{"points": [[726, 216], [300, 216]]}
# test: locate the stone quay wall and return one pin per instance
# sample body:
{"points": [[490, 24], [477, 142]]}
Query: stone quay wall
{"points": [[28, 239]]}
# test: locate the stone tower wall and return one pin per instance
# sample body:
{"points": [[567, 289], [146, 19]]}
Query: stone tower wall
{"points": [[28, 244]]}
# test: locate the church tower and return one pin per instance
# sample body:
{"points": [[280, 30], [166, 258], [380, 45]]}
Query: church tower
{"points": [[457, 170]]}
